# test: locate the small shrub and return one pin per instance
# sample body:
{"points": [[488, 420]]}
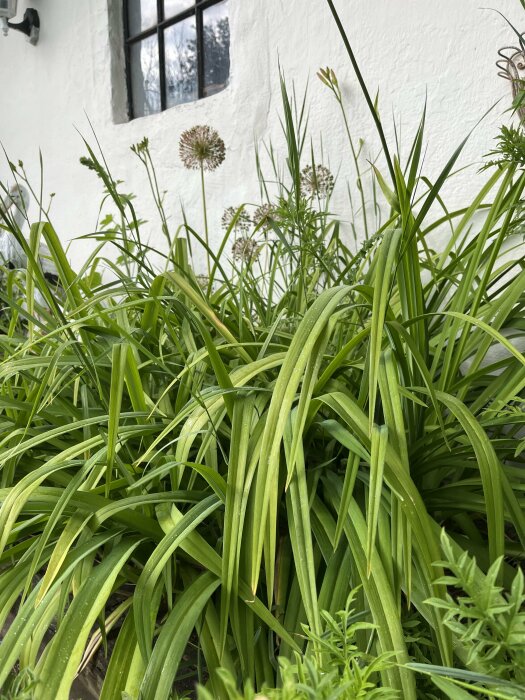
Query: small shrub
{"points": [[332, 667]]}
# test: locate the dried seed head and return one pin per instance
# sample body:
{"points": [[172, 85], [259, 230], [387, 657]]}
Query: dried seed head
{"points": [[241, 218], [246, 250], [203, 281], [264, 215], [201, 146], [317, 181]]}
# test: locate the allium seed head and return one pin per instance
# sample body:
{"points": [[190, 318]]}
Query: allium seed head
{"points": [[203, 281], [201, 146], [264, 215], [317, 181], [246, 250], [243, 222]]}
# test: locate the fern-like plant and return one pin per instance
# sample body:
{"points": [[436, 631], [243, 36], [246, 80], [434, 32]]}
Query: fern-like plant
{"points": [[488, 625], [333, 665]]}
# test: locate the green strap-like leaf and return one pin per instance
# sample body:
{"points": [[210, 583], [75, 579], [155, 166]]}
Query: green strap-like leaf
{"points": [[65, 650]]}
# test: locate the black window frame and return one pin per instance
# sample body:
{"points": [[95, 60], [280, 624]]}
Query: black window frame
{"points": [[196, 9]]}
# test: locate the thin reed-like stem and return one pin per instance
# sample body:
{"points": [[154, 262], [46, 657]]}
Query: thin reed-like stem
{"points": [[205, 217]]}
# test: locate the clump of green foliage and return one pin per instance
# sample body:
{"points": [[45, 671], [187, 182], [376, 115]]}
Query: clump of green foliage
{"points": [[487, 622], [195, 474], [333, 665], [19, 686], [510, 147], [492, 625]]}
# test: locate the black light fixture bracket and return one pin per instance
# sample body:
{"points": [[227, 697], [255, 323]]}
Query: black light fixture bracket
{"points": [[30, 25]]}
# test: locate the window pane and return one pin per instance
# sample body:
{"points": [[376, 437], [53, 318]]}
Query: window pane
{"points": [[180, 45], [216, 29], [145, 83], [142, 14], [173, 7]]}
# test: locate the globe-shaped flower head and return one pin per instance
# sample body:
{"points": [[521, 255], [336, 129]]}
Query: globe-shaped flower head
{"points": [[201, 147], [318, 181], [245, 250], [241, 218], [264, 216]]}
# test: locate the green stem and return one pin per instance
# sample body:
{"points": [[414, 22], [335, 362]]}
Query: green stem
{"points": [[154, 186], [206, 237], [371, 106], [356, 163]]}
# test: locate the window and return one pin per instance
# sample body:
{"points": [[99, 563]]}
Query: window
{"points": [[176, 51]]}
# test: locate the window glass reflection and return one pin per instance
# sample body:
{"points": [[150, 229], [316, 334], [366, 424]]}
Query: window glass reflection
{"points": [[216, 40], [145, 83], [173, 7], [142, 14], [180, 45], [181, 60]]}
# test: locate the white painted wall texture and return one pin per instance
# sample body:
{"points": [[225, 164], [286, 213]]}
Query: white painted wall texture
{"points": [[408, 49]]}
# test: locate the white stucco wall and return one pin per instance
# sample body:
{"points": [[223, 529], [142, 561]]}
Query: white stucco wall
{"points": [[406, 48]]}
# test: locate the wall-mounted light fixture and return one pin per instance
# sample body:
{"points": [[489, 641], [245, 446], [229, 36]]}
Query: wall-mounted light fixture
{"points": [[30, 25]]}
